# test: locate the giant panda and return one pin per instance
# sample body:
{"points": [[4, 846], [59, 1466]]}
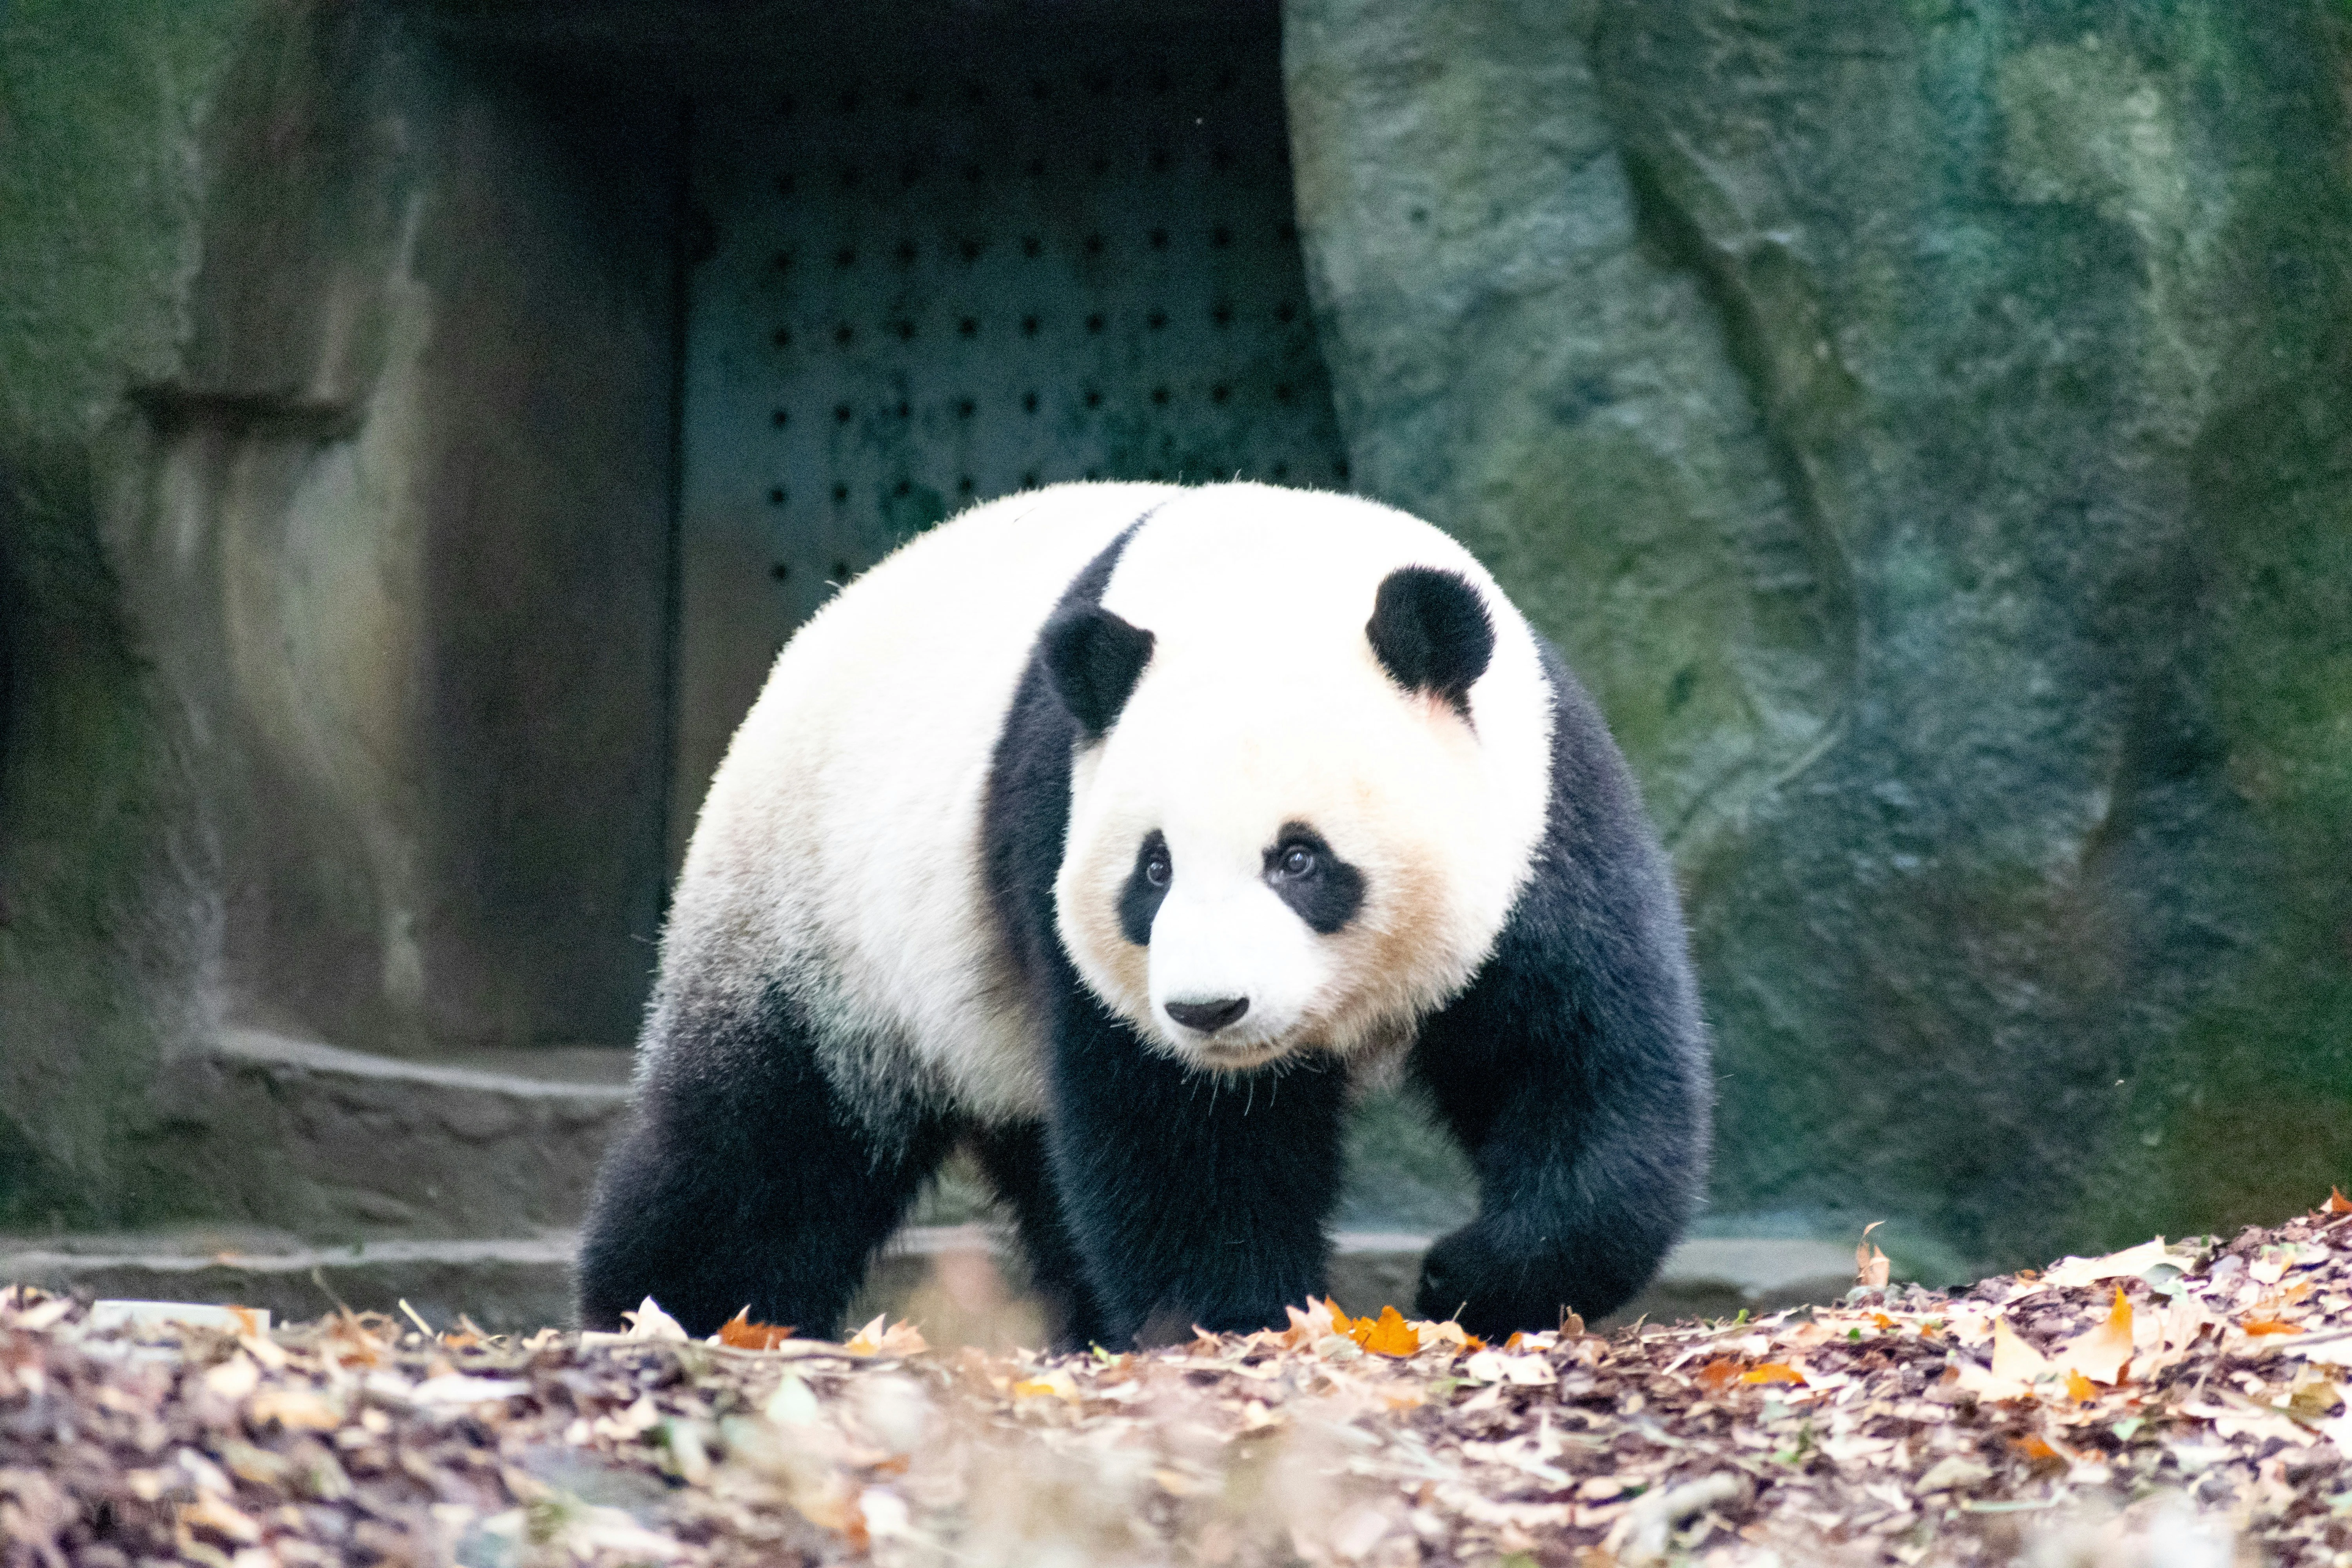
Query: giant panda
{"points": [[1122, 832]]}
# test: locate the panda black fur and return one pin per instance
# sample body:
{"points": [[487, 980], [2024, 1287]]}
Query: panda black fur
{"points": [[1121, 832]]}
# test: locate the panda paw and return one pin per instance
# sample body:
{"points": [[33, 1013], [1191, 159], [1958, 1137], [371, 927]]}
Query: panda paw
{"points": [[1493, 1283]]}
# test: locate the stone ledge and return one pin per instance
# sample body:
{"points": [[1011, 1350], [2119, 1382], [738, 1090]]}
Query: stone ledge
{"points": [[525, 1282]]}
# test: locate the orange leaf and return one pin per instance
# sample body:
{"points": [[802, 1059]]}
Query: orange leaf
{"points": [[1390, 1336], [2080, 1389], [1718, 1374], [1870, 1265], [2336, 1202], [2038, 1450], [743, 1335], [2268, 1326], [1773, 1371], [1881, 1321]]}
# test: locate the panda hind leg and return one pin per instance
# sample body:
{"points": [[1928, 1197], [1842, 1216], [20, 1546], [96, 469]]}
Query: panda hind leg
{"points": [[743, 1179], [1018, 1167]]}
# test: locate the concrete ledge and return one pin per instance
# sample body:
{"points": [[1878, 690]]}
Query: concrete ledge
{"points": [[523, 1283], [333, 1144]]}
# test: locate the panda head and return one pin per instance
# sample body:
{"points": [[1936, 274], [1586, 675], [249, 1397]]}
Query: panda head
{"points": [[1305, 789]]}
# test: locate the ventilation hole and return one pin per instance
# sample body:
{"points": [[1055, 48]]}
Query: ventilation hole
{"points": [[1099, 165], [1028, 326], [905, 330], [1093, 474], [1031, 244], [1287, 232], [845, 334], [1221, 159], [1223, 314], [784, 337], [965, 484], [1036, 168], [1160, 82], [841, 568], [1156, 476], [840, 494], [910, 177], [780, 572], [975, 95], [971, 173], [971, 248], [850, 174], [1158, 239], [1282, 471], [1094, 400], [1339, 469], [964, 408], [903, 487], [1094, 245], [1156, 320], [783, 260], [786, 107], [1095, 322], [1221, 237], [1222, 82], [1099, 83], [1286, 312], [1028, 403], [1220, 393], [1160, 396], [1029, 479], [1039, 90], [904, 410], [849, 102], [969, 327], [911, 98], [841, 414], [1282, 392], [784, 184], [776, 498], [780, 418], [1158, 162], [845, 257], [907, 253]]}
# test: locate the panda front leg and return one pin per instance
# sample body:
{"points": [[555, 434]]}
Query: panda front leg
{"points": [[1574, 1070], [1195, 1198], [744, 1179]]}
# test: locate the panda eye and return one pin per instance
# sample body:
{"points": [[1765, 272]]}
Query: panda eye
{"points": [[1296, 861], [1155, 870]]}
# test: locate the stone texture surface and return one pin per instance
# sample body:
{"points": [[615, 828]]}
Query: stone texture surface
{"points": [[1924, 425]]}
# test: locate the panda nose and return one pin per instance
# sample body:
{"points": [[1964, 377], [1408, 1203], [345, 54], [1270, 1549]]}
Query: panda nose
{"points": [[1208, 1017]]}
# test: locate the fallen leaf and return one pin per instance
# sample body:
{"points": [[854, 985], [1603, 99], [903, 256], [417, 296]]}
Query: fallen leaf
{"points": [[2336, 1202], [2013, 1358], [1870, 1265], [2074, 1272], [1773, 1371], [1954, 1470], [650, 1322], [2080, 1389], [1717, 1375], [2268, 1326], [1391, 1336], [742, 1334], [2100, 1353]]}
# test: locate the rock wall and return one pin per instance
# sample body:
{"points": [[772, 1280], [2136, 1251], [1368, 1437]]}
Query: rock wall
{"points": [[1923, 426]]}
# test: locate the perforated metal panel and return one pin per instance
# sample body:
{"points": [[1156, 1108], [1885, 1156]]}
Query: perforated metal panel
{"points": [[930, 286]]}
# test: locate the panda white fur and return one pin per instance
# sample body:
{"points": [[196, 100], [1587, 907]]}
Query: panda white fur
{"points": [[1119, 830]]}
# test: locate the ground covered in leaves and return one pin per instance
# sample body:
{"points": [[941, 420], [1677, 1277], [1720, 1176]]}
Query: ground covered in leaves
{"points": [[2164, 1405]]}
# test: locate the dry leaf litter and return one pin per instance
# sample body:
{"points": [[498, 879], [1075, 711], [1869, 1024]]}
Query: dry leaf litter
{"points": [[2176, 1405]]}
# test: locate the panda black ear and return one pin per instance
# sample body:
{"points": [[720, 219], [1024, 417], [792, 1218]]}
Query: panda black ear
{"points": [[1095, 658], [1432, 632]]}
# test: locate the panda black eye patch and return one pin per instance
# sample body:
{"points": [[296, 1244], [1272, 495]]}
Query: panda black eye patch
{"points": [[1146, 885], [1323, 890]]}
